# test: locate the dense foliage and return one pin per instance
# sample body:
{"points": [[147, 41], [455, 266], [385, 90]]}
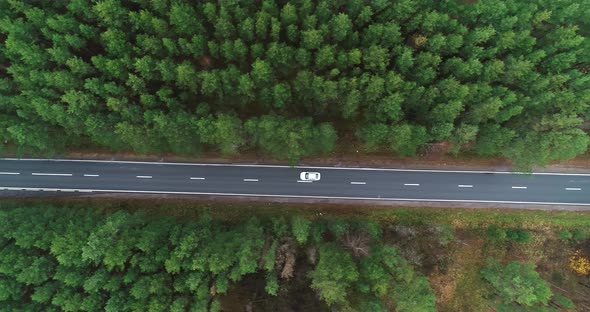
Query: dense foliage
{"points": [[517, 286], [499, 77], [516, 282], [79, 260], [498, 234]]}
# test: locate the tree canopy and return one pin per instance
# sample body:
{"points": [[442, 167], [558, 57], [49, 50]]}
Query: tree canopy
{"points": [[507, 78], [75, 259], [518, 283]]}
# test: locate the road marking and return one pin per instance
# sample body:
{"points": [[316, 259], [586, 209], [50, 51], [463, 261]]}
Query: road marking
{"points": [[197, 178], [573, 189], [323, 197], [412, 184], [52, 174], [144, 177], [298, 167], [464, 185], [10, 173], [250, 180], [520, 187], [358, 183], [45, 189], [301, 181], [91, 175]]}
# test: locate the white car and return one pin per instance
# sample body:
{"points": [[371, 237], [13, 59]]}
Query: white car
{"points": [[309, 176]]}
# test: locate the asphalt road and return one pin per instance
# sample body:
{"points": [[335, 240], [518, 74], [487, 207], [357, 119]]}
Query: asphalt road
{"points": [[36, 175]]}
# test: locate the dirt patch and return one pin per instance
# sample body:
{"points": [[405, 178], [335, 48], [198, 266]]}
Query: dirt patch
{"points": [[462, 289]]}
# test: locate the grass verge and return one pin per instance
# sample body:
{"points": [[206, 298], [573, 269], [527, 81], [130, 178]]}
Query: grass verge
{"points": [[464, 218]]}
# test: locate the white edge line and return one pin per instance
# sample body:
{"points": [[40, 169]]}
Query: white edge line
{"points": [[319, 197], [573, 189], [143, 177], [302, 181], [197, 178], [250, 180], [358, 183], [520, 187], [92, 175], [51, 174], [298, 167], [411, 184], [13, 173], [465, 185]]}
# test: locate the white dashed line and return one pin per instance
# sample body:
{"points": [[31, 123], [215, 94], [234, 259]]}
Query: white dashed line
{"points": [[358, 183], [464, 185], [301, 181], [250, 180], [91, 175], [197, 178], [520, 187], [573, 189], [144, 177], [14, 173], [52, 174], [412, 184]]}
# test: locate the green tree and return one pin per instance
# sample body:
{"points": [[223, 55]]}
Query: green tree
{"points": [[496, 234], [519, 235], [272, 284], [542, 148], [288, 14], [289, 139], [341, 26], [261, 73], [312, 39], [281, 95], [376, 58], [186, 76], [517, 282], [414, 295], [334, 274], [182, 19], [325, 57], [405, 139], [224, 132], [300, 227], [564, 302], [110, 12]]}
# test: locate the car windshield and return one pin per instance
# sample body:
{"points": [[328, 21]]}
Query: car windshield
{"points": [[306, 175]]}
